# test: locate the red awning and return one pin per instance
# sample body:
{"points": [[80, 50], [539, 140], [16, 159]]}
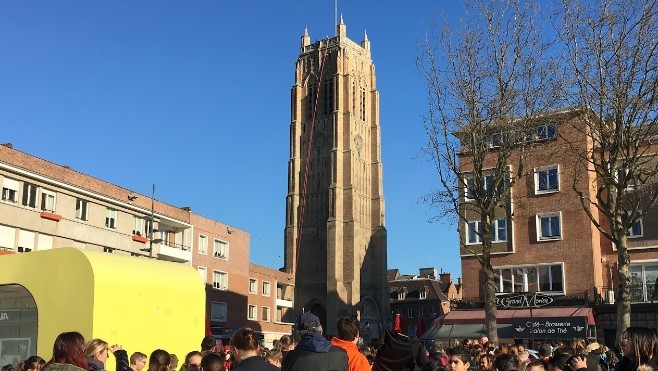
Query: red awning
{"points": [[506, 315]]}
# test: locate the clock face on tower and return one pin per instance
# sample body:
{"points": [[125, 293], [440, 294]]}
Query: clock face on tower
{"points": [[319, 140], [358, 142]]}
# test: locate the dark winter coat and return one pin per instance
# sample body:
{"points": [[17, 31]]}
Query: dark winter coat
{"points": [[399, 353], [315, 353], [255, 363]]}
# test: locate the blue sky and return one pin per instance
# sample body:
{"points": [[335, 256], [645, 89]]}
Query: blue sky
{"points": [[194, 96]]}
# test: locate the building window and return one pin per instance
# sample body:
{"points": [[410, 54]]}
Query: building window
{"points": [[487, 183], [138, 225], [10, 190], [253, 284], [110, 218], [622, 177], [48, 201], [532, 278], [498, 231], [265, 314], [545, 132], [203, 244], [266, 288], [643, 281], [474, 232], [410, 312], [220, 249], [423, 295], [401, 295], [635, 231], [549, 226], [547, 180], [81, 209], [421, 311], [25, 241], [203, 272], [251, 312], [219, 280], [29, 195], [218, 310]]}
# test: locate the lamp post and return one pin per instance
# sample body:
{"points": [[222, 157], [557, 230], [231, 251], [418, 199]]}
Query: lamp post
{"points": [[152, 222]]}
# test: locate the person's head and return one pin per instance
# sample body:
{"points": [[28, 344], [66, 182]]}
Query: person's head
{"points": [[97, 349], [173, 362], [563, 350], [212, 362], [244, 343], [545, 350], [159, 360], [536, 365], [308, 324], [34, 363], [433, 366], [208, 343], [348, 329], [193, 361], [69, 347], [275, 357], [640, 344], [506, 362], [286, 343], [578, 346], [559, 362], [8, 367], [485, 363], [459, 359], [138, 361]]}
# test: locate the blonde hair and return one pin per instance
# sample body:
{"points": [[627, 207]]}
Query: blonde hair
{"points": [[95, 346]]}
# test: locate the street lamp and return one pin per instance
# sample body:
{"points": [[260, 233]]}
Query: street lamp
{"points": [[152, 219]]}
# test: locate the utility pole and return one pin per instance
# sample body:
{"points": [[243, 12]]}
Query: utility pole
{"points": [[152, 222]]}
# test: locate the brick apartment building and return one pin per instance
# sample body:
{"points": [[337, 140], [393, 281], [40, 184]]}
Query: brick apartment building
{"points": [[550, 245], [46, 205]]}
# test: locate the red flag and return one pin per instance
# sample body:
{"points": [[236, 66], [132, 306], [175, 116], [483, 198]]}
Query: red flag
{"points": [[420, 328], [397, 324], [208, 332]]}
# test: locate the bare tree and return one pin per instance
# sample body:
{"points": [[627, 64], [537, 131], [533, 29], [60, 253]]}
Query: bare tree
{"points": [[611, 48], [488, 80]]}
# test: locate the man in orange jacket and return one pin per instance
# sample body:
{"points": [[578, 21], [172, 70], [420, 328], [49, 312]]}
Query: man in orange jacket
{"points": [[348, 335]]}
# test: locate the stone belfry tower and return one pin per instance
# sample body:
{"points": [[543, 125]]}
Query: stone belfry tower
{"points": [[335, 239]]}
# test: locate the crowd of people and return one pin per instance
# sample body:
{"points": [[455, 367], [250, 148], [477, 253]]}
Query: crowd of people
{"points": [[638, 350]]}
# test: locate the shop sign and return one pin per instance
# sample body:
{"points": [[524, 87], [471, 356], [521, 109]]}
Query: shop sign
{"points": [[523, 300], [4, 316], [550, 328]]}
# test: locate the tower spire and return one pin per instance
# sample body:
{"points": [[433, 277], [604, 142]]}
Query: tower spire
{"points": [[306, 40], [341, 29], [365, 44]]}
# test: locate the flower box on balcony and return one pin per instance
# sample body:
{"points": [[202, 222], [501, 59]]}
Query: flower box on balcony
{"points": [[50, 216], [140, 239]]}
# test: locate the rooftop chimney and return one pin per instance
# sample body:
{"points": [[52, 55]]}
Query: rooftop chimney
{"points": [[445, 277]]}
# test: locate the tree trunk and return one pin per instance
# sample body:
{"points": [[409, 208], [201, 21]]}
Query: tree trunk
{"points": [[623, 295], [490, 311]]}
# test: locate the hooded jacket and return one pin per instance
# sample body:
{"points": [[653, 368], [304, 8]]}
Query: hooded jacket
{"points": [[315, 353], [355, 360], [399, 353]]}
